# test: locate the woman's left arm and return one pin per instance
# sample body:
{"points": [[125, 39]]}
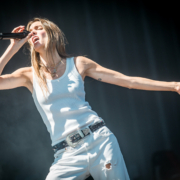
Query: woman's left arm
{"points": [[94, 70]]}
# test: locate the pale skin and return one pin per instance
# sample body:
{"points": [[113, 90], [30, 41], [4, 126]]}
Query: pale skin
{"points": [[85, 66]]}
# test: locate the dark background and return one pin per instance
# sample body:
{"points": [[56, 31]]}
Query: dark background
{"points": [[136, 38]]}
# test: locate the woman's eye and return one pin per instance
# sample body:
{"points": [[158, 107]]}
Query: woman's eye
{"points": [[39, 28]]}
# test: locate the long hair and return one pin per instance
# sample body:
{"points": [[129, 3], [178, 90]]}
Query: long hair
{"points": [[56, 40]]}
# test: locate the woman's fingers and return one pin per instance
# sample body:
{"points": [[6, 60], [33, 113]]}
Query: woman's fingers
{"points": [[18, 29], [18, 42], [26, 38], [177, 87], [21, 30]]}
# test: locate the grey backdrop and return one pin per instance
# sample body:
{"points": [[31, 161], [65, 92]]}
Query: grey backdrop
{"points": [[132, 37]]}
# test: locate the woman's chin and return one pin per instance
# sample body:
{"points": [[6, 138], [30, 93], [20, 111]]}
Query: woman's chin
{"points": [[38, 48]]}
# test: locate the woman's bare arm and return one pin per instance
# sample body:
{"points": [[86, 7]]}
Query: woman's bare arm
{"points": [[100, 73], [19, 77], [16, 79], [8, 54]]}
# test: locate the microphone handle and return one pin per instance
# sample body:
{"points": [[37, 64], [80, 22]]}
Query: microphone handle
{"points": [[7, 36]]}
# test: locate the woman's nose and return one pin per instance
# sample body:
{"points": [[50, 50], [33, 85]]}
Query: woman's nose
{"points": [[33, 32]]}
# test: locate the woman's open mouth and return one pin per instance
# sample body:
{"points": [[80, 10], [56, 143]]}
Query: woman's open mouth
{"points": [[35, 39]]}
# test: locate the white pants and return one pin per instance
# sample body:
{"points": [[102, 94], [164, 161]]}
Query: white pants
{"points": [[90, 156]]}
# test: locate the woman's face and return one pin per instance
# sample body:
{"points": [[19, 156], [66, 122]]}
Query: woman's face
{"points": [[39, 36]]}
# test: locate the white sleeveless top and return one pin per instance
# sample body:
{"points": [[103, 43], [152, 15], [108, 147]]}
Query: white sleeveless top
{"points": [[64, 109]]}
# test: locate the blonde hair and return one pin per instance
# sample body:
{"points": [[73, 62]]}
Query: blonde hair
{"points": [[56, 40]]}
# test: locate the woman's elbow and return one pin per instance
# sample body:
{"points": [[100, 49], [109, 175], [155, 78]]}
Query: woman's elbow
{"points": [[128, 82]]}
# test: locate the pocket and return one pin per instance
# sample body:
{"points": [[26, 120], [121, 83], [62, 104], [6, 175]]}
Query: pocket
{"points": [[57, 156]]}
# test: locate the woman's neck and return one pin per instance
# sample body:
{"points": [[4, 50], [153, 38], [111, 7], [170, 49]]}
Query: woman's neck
{"points": [[50, 61]]}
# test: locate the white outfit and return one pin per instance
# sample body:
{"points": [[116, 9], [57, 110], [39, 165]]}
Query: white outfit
{"points": [[65, 110]]}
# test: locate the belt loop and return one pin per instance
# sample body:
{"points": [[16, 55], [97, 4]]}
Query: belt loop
{"points": [[80, 132]]}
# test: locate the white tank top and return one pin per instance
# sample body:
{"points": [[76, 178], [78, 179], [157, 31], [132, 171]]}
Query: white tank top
{"points": [[64, 109]]}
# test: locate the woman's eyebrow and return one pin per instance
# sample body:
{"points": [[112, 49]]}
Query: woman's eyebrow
{"points": [[35, 27]]}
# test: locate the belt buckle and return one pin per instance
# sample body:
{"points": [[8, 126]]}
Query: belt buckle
{"points": [[76, 136]]}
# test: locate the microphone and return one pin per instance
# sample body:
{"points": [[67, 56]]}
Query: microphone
{"points": [[7, 36]]}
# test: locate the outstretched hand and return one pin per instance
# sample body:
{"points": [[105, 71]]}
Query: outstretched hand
{"points": [[177, 87]]}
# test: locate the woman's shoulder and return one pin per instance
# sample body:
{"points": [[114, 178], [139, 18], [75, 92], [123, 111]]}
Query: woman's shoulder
{"points": [[83, 61], [81, 64], [26, 70]]}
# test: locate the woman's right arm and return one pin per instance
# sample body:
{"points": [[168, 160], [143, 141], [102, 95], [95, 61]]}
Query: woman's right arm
{"points": [[19, 77]]}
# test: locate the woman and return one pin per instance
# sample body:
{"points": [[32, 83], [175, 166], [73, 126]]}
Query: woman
{"points": [[82, 143]]}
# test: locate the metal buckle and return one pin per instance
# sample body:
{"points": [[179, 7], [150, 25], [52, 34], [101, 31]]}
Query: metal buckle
{"points": [[70, 136]]}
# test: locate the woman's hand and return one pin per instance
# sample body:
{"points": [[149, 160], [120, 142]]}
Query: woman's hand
{"points": [[177, 87], [18, 43]]}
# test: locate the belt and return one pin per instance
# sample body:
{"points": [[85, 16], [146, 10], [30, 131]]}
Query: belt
{"points": [[76, 136]]}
